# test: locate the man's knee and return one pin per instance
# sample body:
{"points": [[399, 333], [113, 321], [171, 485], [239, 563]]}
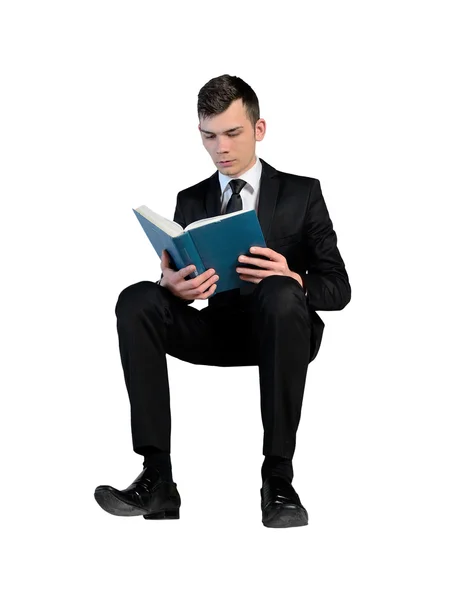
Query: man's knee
{"points": [[279, 294], [133, 297]]}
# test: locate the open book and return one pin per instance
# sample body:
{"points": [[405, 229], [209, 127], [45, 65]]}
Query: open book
{"points": [[213, 243]]}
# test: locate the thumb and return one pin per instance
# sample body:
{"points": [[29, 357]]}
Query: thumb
{"points": [[164, 260]]}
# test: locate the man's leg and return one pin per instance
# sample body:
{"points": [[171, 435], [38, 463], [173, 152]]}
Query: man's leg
{"points": [[151, 323], [282, 331]]}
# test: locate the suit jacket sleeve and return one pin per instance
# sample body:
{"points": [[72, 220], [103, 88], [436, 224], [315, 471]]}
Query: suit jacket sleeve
{"points": [[327, 281], [178, 218]]}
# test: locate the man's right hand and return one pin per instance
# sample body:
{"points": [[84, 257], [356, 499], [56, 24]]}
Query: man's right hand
{"points": [[193, 289]]}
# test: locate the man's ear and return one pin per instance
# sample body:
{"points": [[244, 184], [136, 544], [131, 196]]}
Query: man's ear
{"points": [[260, 130]]}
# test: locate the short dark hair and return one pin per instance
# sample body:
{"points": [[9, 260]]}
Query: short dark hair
{"points": [[217, 95]]}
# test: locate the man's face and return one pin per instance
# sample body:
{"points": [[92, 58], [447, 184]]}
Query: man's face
{"points": [[230, 139]]}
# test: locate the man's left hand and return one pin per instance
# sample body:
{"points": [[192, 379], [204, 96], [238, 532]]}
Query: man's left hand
{"points": [[276, 265]]}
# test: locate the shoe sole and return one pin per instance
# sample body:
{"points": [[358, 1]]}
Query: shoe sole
{"points": [[286, 517], [114, 505]]}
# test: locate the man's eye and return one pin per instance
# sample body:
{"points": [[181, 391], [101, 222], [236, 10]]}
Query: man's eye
{"points": [[210, 137]]}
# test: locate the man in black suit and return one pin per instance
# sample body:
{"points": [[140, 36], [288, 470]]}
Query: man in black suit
{"points": [[271, 323]]}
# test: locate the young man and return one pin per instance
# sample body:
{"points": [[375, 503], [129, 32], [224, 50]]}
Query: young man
{"points": [[272, 323]]}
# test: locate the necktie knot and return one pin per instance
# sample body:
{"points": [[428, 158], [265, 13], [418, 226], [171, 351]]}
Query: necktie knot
{"points": [[237, 185]]}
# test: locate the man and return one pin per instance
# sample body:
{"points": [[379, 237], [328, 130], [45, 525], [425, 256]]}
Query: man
{"points": [[272, 323]]}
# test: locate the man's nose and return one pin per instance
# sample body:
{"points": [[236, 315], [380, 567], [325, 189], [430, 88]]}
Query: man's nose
{"points": [[222, 147]]}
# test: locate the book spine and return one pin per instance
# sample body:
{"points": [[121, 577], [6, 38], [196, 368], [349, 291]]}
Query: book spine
{"points": [[188, 253]]}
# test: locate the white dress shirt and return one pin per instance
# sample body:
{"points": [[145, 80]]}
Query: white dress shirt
{"points": [[250, 191]]}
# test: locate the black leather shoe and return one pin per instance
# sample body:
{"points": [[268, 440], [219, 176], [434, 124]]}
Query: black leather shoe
{"points": [[148, 496], [280, 504]]}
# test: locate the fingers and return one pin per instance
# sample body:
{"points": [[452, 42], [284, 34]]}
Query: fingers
{"points": [[194, 288], [164, 260], [186, 271], [210, 291], [201, 280], [208, 282], [200, 287], [206, 294]]}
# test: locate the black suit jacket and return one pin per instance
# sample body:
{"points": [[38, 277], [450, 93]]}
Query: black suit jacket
{"points": [[296, 223]]}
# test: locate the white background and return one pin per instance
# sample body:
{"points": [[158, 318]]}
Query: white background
{"points": [[98, 115]]}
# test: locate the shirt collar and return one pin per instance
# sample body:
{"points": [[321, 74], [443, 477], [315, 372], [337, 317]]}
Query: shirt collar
{"points": [[252, 177]]}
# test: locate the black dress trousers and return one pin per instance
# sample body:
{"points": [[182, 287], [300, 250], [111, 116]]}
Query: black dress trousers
{"points": [[270, 327]]}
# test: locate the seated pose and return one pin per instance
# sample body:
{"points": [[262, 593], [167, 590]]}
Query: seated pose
{"points": [[272, 324]]}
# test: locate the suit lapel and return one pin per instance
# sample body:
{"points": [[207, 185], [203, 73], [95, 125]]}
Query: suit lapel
{"points": [[268, 195], [213, 196]]}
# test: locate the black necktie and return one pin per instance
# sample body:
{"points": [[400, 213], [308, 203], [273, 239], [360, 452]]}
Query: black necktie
{"points": [[235, 201]]}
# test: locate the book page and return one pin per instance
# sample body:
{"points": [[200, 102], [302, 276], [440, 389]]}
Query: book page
{"points": [[201, 222], [170, 227]]}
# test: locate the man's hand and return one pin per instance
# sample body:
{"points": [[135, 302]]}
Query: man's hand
{"points": [[193, 289], [276, 265]]}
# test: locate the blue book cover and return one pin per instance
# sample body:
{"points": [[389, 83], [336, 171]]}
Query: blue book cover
{"points": [[215, 244]]}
